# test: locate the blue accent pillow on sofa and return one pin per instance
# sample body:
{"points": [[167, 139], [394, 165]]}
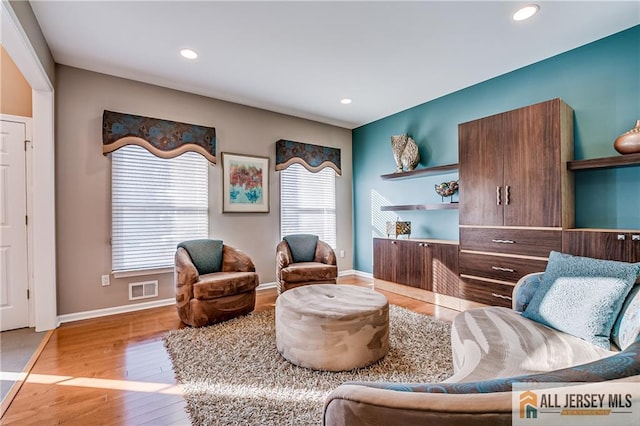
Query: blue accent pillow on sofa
{"points": [[302, 247], [582, 296], [206, 255]]}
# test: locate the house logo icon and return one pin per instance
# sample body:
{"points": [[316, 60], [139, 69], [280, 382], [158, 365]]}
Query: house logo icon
{"points": [[528, 405]]}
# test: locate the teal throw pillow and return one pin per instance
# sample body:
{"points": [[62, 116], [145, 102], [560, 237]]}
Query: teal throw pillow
{"points": [[206, 255], [302, 246], [582, 296]]}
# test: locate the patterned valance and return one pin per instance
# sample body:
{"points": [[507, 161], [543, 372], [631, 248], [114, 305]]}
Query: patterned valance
{"points": [[163, 138], [312, 157]]}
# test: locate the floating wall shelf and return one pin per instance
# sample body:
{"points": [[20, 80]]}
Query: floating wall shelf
{"points": [[439, 206], [605, 162], [427, 171]]}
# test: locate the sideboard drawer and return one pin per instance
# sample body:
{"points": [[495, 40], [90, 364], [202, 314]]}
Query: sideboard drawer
{"points": [[511, 241], [499, 267], [486, 292]]}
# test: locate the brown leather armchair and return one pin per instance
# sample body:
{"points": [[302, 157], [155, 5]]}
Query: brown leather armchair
{"points": [[303, 259], [221, 287]]}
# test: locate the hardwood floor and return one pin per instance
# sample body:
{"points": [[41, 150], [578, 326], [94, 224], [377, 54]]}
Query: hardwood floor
{"points": [[115, 371]]}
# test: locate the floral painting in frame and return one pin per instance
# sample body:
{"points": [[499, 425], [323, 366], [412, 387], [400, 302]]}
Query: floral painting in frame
{"points": [[245, 183]]}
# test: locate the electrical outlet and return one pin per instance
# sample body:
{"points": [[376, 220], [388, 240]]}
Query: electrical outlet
{"points": [[105, 280], [341, 253]]}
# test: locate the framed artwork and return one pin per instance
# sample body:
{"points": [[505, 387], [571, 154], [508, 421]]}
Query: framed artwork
{"points": [[245, 183]]}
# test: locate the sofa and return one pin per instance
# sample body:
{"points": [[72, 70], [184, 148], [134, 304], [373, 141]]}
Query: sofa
{"points": [[493, 348]]}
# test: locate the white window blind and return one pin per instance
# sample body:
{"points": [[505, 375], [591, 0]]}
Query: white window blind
{"points": [[156, 203], [308, 203]]}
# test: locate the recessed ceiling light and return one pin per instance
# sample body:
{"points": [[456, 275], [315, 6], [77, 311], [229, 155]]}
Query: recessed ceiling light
{"points": [[189, 53], [345, 101], [526, 12]]}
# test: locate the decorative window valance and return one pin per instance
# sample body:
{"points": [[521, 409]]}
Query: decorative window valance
{"points": [[163, 138], [312, 157]]}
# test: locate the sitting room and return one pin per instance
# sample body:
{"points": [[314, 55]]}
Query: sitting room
{"points": [[320, 213]]}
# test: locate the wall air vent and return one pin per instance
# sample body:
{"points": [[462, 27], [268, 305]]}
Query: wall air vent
{"points": [[143, 290]]}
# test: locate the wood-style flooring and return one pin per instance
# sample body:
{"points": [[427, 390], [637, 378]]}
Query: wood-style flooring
{"points": [[115, 371]]}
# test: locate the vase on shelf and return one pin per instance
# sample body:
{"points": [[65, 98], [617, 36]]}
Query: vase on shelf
{"points": [[629, 142], [405, 152]]}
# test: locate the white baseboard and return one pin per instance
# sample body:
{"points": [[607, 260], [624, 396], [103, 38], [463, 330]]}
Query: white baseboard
{"points": [[355, 272], [266, 286], [115, 310]]}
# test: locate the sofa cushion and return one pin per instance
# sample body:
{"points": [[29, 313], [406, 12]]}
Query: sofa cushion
{"points": [[308, 271], [220, 284], [205, 254], [582, 296], [493, 342], [627, 327], [302, 247]]}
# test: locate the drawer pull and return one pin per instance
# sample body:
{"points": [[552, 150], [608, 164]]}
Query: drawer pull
{"points": [[621, 237], [498, 200], [635, 238], [503, 241], [498, 268], [393, 242], [500, 296]]}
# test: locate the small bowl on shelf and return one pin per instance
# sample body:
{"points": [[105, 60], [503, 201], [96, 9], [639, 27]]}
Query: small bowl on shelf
{"points": [[447, 189]]}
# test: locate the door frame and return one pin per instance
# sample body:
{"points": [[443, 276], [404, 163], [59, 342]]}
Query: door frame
{"points": [[28, 164], [43, 253]]}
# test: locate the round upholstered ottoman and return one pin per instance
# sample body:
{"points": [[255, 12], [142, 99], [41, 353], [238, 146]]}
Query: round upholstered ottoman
{"points": [[332, 327]]}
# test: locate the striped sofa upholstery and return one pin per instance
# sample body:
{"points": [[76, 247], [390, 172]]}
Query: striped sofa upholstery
{"points": [[493, 348]]}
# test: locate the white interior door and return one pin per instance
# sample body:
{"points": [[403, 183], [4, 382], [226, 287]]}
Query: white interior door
{"points": [[14, 305]]}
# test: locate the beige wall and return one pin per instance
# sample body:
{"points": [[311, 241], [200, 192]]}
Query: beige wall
{"points": [[15, 92], [83, 179]]}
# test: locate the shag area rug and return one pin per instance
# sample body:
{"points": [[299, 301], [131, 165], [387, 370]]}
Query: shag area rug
{"points": [[232, 373]]}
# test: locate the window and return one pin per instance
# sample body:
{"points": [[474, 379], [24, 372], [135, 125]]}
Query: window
{"points": [[308, 203], [156, 203]]}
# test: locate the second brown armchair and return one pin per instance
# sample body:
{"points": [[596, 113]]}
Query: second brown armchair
{"points": [[303, 259]]}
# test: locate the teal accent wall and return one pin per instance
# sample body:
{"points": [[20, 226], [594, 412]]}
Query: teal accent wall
{"points": [[600, 81]]}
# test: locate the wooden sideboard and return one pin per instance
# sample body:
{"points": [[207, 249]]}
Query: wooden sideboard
{"points": [[610, 244], [426, 264]]}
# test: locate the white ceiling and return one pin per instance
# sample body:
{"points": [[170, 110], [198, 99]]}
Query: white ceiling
{"points": [[301, 58]]}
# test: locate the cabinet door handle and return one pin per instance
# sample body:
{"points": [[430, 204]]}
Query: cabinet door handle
{"points": [[498, 268], [500, 296], [507, 195], [621, 237], [420, 244], [635, 238], [498, 199], [503, 241]]}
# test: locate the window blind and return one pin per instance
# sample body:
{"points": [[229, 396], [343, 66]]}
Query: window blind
{"points": [[308, 203], [156, 203]]}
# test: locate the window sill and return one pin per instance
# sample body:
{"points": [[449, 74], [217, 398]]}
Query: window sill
{"points": [[141, 272]]}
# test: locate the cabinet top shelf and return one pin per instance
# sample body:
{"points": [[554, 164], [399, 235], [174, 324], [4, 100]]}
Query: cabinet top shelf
{"points": [[605, 162], [427, 171]]}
